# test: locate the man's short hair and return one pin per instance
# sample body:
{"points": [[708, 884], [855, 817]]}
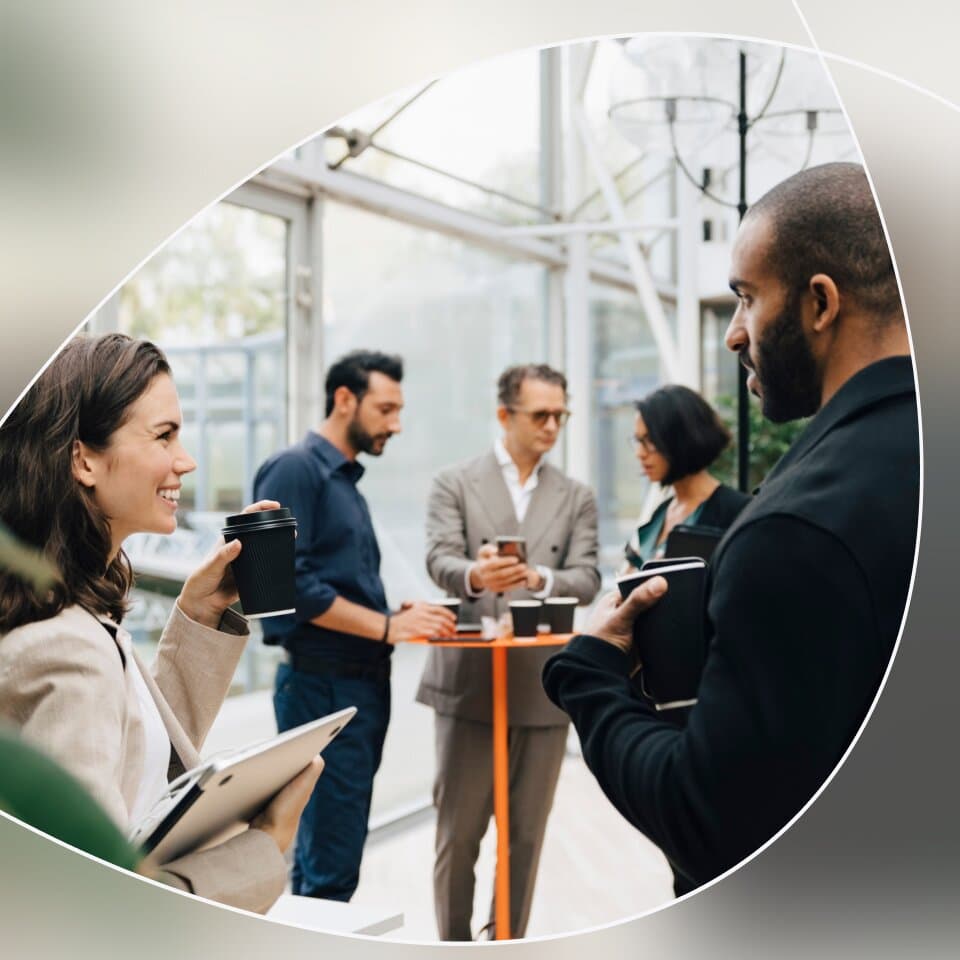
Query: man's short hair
{"points": [[511, 380], [824, 220], [353, 372], [684, 428]]}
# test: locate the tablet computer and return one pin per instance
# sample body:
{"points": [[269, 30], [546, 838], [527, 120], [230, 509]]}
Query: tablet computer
{"points": [[221, 795]]}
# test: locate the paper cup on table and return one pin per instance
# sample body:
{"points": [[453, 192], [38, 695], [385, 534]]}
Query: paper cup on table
{"points": [[559, 613], [450, 603], [526, 617], [264, 570]]}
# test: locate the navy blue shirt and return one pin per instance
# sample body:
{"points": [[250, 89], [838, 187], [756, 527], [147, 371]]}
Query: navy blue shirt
{"points": [[336, 554]]}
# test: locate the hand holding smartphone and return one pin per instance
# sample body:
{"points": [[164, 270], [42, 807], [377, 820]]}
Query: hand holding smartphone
{"points": [[512, 547], [500, 566]]}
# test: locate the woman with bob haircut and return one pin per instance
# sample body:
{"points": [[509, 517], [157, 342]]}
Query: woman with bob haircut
{"points": [[677, 436], [90, 455]]}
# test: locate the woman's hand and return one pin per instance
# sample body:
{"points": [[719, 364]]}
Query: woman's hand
{"points": [[279, 820], [210, 589]]}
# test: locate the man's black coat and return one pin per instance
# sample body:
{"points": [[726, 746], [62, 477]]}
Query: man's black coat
{"points": [[805, 600]]}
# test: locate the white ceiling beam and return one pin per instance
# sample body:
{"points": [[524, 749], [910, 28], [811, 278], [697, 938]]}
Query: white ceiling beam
{"points": [[639, 270]]}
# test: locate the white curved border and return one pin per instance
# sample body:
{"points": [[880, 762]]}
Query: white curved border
{"points": [[824, 57]]}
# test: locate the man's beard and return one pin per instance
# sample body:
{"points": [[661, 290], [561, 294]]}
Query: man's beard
{"points": [[790, 381], [363, 442]]}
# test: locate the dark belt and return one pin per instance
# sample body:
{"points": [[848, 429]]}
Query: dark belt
{"points": [[304, 663]]}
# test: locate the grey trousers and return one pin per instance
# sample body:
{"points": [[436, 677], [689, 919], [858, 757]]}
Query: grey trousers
{"points": [[463, 796]]}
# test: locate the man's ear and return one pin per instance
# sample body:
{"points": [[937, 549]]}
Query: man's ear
{"points": [[502, 415], [344, 400], [83, 463], [826, 302]]}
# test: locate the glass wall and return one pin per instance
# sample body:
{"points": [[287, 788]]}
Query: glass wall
{"points": [[458, 315], [470, 140], [626, 366], [215, 299], [718, 366]]}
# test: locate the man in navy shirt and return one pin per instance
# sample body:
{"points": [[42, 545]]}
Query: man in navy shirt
{"points": [[340, 639]]}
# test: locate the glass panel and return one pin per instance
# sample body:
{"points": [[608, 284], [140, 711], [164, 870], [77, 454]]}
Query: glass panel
{"points": [[481, 124], [215, 299], [617, 152], [458, 315], [225, 445], [718, 364], [221, 278], [626, 366], [226, 380]]}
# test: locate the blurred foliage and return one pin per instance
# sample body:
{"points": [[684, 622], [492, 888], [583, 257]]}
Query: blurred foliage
{"points": [[24, 561], [768, 442], [222, 278], [39, 792]]}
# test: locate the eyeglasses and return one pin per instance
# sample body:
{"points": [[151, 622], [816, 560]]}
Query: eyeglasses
{"points": [[540, 417], [644, 443]]}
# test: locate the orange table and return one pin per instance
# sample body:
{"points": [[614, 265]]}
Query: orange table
{"points": [[499, 649]]}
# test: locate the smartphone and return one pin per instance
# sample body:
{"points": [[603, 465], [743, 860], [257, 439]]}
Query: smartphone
{"points": [[693, 541], [512, 547]]}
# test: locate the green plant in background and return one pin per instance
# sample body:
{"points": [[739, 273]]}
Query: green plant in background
{"points": [[768, 442]]}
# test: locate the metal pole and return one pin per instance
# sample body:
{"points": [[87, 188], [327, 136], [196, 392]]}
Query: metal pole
{"points": [[743, 397]]}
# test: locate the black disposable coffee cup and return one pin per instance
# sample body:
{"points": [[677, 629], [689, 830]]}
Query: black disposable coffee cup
{"points": [[559, 613], [450, 603], [526, 617], [264, 570]]}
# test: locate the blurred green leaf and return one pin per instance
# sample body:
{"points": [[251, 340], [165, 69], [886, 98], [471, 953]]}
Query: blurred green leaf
{"points": [[25, 562], [768, 442]]}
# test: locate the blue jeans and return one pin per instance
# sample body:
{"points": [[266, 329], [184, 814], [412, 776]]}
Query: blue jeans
{"points": [[333, 827]]}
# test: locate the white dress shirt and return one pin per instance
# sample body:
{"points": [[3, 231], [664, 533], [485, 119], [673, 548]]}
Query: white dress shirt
{"points": [[156, 749], [520, 494]]}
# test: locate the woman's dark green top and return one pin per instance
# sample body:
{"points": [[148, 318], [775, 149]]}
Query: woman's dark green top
{"points": [[719, 510]]}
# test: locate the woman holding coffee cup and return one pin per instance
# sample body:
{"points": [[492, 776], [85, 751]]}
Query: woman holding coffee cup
{"points": [[90, 455]]}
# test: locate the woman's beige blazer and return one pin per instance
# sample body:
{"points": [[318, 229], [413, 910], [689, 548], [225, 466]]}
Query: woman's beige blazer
{"points": [[65, 683]]}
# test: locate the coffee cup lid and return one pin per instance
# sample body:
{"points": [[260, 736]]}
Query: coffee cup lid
{"points": [[525, 603], [258, 517]]}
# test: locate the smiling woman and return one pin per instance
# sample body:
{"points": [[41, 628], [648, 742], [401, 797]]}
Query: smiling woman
{"points": [[137, 478], [92, 454]]}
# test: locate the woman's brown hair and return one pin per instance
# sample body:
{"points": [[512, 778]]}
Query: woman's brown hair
{"points": [[85, 394]]}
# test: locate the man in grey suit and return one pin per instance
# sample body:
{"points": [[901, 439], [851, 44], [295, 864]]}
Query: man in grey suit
{"points": [[508, 491]]}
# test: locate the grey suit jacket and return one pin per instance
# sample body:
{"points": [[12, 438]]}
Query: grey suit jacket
{"points": [[470, 505], [65, 683]]}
